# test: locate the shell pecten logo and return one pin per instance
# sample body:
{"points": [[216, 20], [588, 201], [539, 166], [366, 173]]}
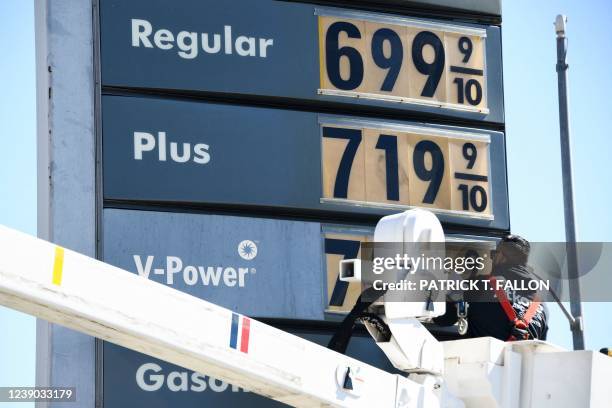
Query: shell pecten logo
{"points": [[247, 249]]}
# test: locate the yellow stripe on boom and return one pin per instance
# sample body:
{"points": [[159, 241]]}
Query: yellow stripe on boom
{"points": [[58, 265]]}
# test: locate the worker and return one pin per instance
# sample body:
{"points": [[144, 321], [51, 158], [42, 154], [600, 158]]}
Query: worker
{"points": [[504, 314]]}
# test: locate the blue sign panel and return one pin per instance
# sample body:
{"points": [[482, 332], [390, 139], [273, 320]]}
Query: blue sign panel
{"points": [[255, 266], [259, 267], [169, 151], [287, 51], [132, 379]]}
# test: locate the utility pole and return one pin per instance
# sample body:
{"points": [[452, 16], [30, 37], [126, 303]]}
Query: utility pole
{"points": [[576, 324]]}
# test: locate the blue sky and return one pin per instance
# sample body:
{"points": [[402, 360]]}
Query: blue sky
{"points": [[536, 202], [17, 174], [534, 166]]}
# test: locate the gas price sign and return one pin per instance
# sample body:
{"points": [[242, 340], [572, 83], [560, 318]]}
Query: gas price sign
{"points": [[378, 165], [304, 52], [403, 60], [199, 152], [284, 113]]}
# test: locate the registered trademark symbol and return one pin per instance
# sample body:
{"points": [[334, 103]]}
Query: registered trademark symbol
{"points": [[253, 270]]}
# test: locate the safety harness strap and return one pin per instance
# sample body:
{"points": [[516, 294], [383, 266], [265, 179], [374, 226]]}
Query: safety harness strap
{"points": [[518, 323], [531, 311]]}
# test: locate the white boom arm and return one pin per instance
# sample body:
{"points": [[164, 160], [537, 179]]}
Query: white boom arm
{"points": [[412, 347], [95, 298]]}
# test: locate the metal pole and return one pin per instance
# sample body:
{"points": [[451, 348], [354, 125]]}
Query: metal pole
{"points": [[568, 193]]}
